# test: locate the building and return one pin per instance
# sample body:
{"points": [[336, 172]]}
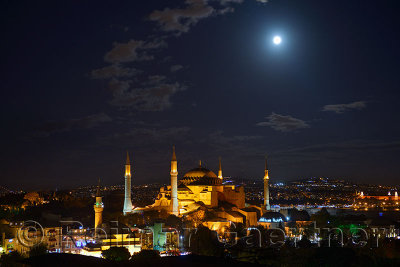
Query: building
{"points": [[130, 241], [197, 187], [200, 188], [21, 237]]}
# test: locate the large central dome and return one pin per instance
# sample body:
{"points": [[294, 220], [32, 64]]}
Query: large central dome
{"points": [[200, 176], [200, 172]]}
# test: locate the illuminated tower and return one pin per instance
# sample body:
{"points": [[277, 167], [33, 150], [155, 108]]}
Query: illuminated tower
{"points": [[98, 209], [220, 170], [174, 184], [266, 186], [128, 187]]}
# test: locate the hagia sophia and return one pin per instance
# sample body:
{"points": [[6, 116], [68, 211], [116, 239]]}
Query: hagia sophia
{"points": [[200, 188]]}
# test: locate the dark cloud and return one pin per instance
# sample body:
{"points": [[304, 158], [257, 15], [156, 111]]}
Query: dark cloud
{"points": [[236, 146], [175, 68], [341, 108], [220, 138], [134, 50], [283, 123], [118, 87], [114, 70], [87, 122], [353, 145], [224, 2], [226, 10], [155, 79], [338, 151], [152, 98], [145, 135], [154, 134]]}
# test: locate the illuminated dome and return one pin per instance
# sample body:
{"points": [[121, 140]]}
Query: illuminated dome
{"points": [[272, 216], [200, 172], [200, 176]]}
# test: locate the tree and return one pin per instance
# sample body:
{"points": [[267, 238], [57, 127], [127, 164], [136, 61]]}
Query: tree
{"points": [[304, 242], [321, 217], [173, 221], [145, 254], [32, 197], [38, 250], [204, 242], [116, 254], [11, 259]]}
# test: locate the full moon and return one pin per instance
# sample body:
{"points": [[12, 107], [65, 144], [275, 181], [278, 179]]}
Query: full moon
{"points": [[277, 40]]}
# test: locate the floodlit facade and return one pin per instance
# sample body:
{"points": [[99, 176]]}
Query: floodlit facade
{"points": [[197, 185]]}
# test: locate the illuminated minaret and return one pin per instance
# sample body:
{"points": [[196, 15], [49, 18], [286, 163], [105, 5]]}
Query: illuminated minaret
{"points": [[266, 186], [220, 170], [174, 184], [98, 209], [128, 187]]}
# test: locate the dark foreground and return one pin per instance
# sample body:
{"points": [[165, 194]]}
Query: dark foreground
{"points": [[255, 257], [61, 259]]}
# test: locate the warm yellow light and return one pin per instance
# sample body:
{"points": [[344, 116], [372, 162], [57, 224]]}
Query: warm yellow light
{"points": [[127, 170]]}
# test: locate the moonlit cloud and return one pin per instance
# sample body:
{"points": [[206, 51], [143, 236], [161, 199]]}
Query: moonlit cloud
{"points": [[175, 68], [341, 108], [181, 19], [118, 87], [134, 50], [114, 70], [155, 79], [283, 123], [224, 2]]}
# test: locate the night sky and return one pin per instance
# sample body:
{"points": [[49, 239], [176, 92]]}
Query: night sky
{"points": [[84, 81]]}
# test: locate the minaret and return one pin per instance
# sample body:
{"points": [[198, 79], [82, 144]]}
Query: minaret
{"points": [[174, 184], [98, 209], [266, 186], [128, 187], [220, 170]]}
